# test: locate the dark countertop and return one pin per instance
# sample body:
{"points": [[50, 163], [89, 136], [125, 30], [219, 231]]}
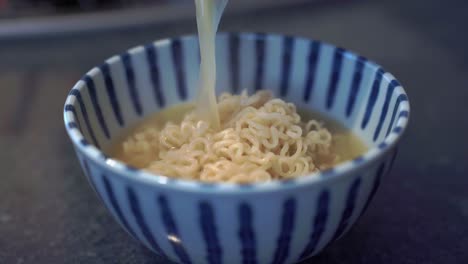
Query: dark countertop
{"points": [[49, 214]]}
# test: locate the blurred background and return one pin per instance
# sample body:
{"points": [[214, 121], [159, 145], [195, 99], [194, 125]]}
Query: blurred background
{"points": [[48, 212]]}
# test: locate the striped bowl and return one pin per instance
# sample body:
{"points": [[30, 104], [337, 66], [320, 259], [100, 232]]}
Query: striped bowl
{"points": [[275, 222]]}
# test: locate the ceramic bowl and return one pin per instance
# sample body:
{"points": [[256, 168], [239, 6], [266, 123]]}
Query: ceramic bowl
{"points": [[274, 222]]}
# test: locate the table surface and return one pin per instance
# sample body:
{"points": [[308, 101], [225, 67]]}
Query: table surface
{"points": [[49, 214]]}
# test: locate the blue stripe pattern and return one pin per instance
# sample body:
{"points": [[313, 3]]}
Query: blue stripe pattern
{"points": [[71, 108], [383, 114], [349, 208], [335, 76], [401, 98], [247, 235], [355, 84], [153, 68], [209, 230], [358, 160], [72, 125], [260, 52], [130, 76], [145, 230], [287, 227], [403, 113], [397, 130], [314, 51], [319, 224], [111, 93], [178, 58], [288, 51], [375, 186], [234, 62], [372, 97], [115, 205], [172, 231], [84, 113], [382, 145], [97, 107], [84, 142]]}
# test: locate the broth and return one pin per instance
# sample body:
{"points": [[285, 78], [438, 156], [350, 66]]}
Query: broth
{"points": [[346, 144]]}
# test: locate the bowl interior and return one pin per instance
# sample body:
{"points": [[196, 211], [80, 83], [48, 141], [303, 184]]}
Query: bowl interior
{"points": [[313, 75]]}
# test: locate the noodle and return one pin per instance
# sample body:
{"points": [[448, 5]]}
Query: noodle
{"points": [[261, 139]]}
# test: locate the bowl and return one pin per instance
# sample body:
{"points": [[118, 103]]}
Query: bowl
{"points": [[273, 222]]}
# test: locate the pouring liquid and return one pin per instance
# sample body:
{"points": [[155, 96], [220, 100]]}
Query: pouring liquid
{"points": [[208, 16]]}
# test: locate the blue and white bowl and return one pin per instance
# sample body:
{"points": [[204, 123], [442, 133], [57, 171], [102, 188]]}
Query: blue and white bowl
{"points": [[274, 222]]}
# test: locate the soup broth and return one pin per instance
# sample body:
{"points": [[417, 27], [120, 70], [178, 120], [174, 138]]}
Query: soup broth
{"points": [[345, 144]]}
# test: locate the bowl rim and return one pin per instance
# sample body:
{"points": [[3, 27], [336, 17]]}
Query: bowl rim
{"points": [[337, 172]]}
